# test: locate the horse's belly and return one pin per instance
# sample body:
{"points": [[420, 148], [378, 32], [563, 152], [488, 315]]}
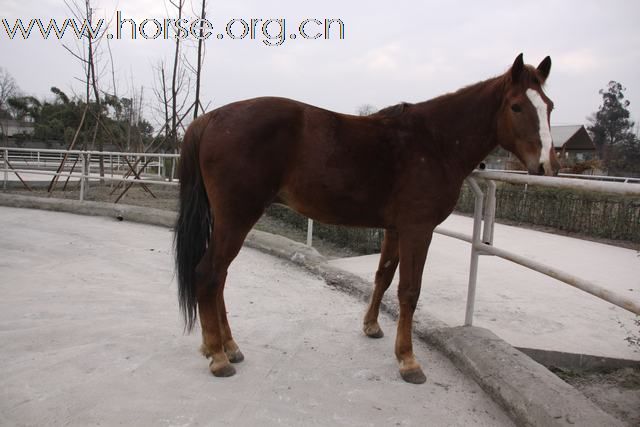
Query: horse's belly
{"points": [[361, 207]]}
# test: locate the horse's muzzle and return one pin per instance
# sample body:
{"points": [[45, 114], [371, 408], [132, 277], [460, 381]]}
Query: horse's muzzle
{"points": [[544, 169]]}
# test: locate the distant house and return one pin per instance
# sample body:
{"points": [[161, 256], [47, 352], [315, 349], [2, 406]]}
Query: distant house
{"points": [[572, 142], [12, 127]]}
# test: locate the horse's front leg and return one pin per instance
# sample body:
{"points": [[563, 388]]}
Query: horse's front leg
{"points": [[384, 276], [414, 245], [231, 349]]}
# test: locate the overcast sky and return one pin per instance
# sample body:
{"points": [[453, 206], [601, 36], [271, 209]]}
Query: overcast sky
{"points": [[392, 50]]}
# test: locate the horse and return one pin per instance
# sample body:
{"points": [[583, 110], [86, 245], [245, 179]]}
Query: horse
{"points": [[400, 169]]}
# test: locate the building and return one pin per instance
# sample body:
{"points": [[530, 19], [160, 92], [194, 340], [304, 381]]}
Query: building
{"points": [[573, 143], [12, 127]]}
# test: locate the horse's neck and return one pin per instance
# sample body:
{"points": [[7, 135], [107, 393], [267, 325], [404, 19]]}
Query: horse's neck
{"points": [[467, 120]]}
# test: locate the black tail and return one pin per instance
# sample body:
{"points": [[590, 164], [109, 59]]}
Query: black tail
{"points": [[194, 224]]}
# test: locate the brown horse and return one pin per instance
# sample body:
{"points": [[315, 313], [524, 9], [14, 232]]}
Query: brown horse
{"points": [[400, 169]]}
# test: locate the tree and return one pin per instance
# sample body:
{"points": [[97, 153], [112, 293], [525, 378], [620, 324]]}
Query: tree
{"points": [[23, 107], [58, 118], [88, 54], [611, 128], [366, 110], [199, 57], [8, 89], [625, 159]]}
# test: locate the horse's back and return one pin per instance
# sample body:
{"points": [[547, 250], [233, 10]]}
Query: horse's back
{"points": [[314, 160]]}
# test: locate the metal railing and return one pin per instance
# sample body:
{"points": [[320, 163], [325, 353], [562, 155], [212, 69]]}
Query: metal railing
{"points": [[624, 179], [481, 238], [87, 160], [483, 225]]}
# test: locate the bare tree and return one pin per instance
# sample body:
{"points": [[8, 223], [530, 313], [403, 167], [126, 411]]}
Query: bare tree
{"points": [[8, 89], [199, 59], [366, 110], [175, 84], [88, 54], [161, 106]]}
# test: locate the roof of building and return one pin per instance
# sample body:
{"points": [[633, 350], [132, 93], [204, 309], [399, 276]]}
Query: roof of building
{"points": [[571, 137]]}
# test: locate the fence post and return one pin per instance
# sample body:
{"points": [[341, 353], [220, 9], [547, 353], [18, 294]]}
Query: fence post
{"points": [[111, 166], [6, 167], [88, 174], [82, 174], [489, 214], [309, 232], [475, 241]]}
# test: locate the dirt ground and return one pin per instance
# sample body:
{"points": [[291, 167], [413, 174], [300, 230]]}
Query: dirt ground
{"points": [[616, 392], [166, 197]]}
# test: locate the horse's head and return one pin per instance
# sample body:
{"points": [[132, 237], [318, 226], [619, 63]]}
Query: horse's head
{"points": [[523, 122]]}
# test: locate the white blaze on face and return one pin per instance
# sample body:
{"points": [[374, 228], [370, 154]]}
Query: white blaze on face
{"points": [[545, 132]]}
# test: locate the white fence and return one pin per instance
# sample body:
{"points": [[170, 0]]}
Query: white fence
{"points": [[482, 243], [481, 239], [134, 168]]}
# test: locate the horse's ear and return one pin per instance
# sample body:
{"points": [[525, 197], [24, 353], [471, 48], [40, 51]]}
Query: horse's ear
{"points": [[516, 69], [544, 68]]}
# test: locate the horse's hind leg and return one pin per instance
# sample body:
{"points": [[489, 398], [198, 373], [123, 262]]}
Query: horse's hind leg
{"points": [[384, 276], [217, 342], [231, 349], [229, 346]]}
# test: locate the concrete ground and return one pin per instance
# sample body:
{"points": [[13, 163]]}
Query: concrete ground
{"points": [[90, 334], [523, 307]]}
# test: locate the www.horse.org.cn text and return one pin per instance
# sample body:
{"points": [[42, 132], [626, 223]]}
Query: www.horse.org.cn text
{"points": [[270, 31]]}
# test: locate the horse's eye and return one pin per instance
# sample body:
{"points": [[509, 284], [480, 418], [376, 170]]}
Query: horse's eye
{"points": [[516, 108]]}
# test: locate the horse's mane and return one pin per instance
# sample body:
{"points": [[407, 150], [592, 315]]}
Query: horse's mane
{"points": [[530, 75]]}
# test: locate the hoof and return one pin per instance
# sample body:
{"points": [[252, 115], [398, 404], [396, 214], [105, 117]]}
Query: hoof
{"points": [[373, 331], [225, 370], [413, 376], [235, 356]]}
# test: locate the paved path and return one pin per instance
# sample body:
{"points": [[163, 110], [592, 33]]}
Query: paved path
{"points": [[523, 307], [90, 334]]}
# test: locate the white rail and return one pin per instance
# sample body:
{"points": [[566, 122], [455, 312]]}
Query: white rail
{"points": [[481, 239], [623, 189], [483, 225], [482, 236], [44, 157], [625, 179]]}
